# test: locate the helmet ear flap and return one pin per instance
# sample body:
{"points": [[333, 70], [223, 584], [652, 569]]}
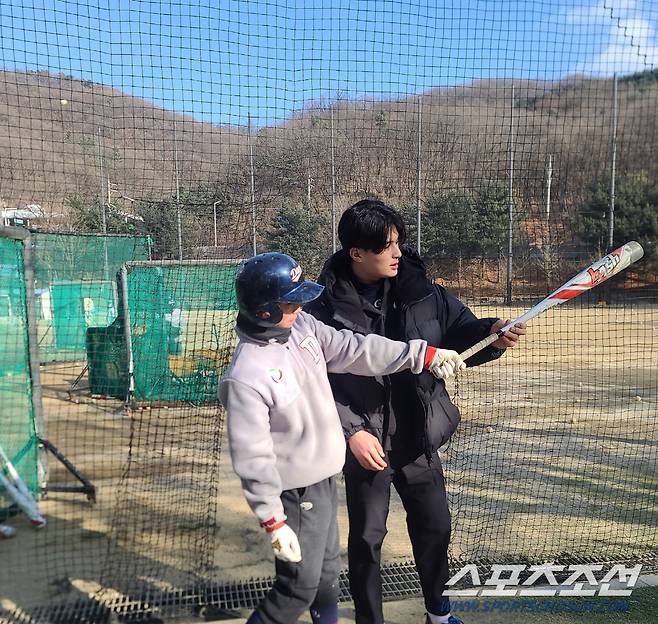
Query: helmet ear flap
{"points": [[268, 314], [274, 310]]}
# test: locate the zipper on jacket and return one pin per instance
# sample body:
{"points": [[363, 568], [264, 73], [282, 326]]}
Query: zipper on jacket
{"points": [[427, 445]]}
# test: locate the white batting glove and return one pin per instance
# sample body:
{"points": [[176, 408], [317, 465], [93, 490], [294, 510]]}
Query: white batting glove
{"points": [[444, 363], [285, 544]]}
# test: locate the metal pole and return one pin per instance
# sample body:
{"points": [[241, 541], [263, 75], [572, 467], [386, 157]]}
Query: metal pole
{"points": [[613, 168], [214, 218], [420, 113], [308, 176], [333, 186], [102, 180], [308, 186], [127, 334], [549, 181], [176, 263], [510, 213], [103, 205], [253, 189], [178, 214]]}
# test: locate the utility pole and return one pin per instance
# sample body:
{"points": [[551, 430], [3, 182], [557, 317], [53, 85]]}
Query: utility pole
{"points": [[178, 212], [252, 187], [549, 181], [510, 211], [613, 168], [214, 218], [333, 186], [418, 168], [102, 181], [103, 205]]}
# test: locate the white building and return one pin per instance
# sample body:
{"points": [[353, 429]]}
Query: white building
{"points": [[22, 216]]}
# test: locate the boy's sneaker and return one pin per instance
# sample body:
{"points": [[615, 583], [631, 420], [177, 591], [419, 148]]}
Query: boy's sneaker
{"points": [[453, 619], [7, 531]]}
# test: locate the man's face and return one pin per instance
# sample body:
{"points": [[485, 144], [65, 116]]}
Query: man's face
{"points": [[370, 267]]}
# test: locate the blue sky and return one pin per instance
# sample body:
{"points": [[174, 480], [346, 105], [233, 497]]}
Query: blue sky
{"points": [[220, 61]]}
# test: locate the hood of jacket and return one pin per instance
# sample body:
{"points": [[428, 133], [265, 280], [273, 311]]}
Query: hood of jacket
{"points": [[342, 300]]}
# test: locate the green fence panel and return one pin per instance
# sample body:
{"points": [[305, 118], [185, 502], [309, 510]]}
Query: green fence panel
{"points": [[176, 312], [75, 277], [77, 306], [17, 419]]}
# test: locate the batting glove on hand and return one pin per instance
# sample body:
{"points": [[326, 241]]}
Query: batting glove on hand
{"points": [[443, 363], [285, 544]]}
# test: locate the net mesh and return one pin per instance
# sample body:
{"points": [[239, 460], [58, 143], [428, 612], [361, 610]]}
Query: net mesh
{"points": [[193, 135]]}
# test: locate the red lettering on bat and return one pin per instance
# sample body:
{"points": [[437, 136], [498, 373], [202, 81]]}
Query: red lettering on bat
{"points": [[606, 268], [595, 276]]}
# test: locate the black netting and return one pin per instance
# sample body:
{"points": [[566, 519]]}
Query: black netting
{"points": [[175, 139]]}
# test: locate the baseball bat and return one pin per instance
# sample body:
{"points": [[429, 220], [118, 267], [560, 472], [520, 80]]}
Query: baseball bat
{"points": [[19, 492], [595, 274]]}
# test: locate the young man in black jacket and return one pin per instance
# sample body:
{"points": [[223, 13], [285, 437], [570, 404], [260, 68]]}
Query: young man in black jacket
{"points": [[394, 425]]}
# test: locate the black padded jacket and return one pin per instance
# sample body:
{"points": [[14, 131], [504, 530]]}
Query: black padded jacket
{"points": [[421, 309]]}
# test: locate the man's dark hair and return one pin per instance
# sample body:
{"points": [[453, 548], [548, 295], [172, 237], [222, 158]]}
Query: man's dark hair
{"points": [[367, 225]]}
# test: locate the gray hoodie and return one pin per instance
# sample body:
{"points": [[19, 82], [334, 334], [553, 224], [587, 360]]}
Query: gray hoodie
{"points": [[283, 427]]}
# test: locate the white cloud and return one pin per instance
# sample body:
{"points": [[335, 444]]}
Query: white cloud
{"points": [[603, 10], [632, 44], [620, 59], [636, 29]]}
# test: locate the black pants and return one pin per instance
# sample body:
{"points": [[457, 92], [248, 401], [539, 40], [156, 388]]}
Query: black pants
{"points": [[311, 584], [423, 494]]}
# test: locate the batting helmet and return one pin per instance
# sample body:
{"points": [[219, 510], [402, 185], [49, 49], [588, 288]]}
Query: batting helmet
{"points": [[267, 280]]}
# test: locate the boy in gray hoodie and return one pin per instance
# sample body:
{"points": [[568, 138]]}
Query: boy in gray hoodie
{"points": [[285, 437]]}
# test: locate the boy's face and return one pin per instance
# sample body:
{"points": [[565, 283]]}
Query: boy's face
{"points": [[370, 267], [290, 312]]}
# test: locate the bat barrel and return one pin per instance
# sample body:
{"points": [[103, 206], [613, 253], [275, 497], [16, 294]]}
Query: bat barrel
{"points": [[598, 272], [634, 250]]}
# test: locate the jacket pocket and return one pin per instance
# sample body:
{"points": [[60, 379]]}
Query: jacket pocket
{"points": [[444, 419]]}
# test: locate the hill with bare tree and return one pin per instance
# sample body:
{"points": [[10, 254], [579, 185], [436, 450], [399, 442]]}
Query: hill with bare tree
{"points": [[61, 137]]}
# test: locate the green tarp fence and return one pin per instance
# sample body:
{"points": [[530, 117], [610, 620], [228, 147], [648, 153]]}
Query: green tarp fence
{"points": [[180, 315], [18, 430], [75, 287]]}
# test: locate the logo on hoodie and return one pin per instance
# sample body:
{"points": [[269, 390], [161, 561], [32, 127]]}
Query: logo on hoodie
{"points": [[276, 374], [311, 345]]}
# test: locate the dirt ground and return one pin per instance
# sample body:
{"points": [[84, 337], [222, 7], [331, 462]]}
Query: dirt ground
{"points": [[556, 456]]}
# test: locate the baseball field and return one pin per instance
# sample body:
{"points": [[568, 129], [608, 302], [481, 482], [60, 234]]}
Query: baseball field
{"points": [[555, 460]]}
